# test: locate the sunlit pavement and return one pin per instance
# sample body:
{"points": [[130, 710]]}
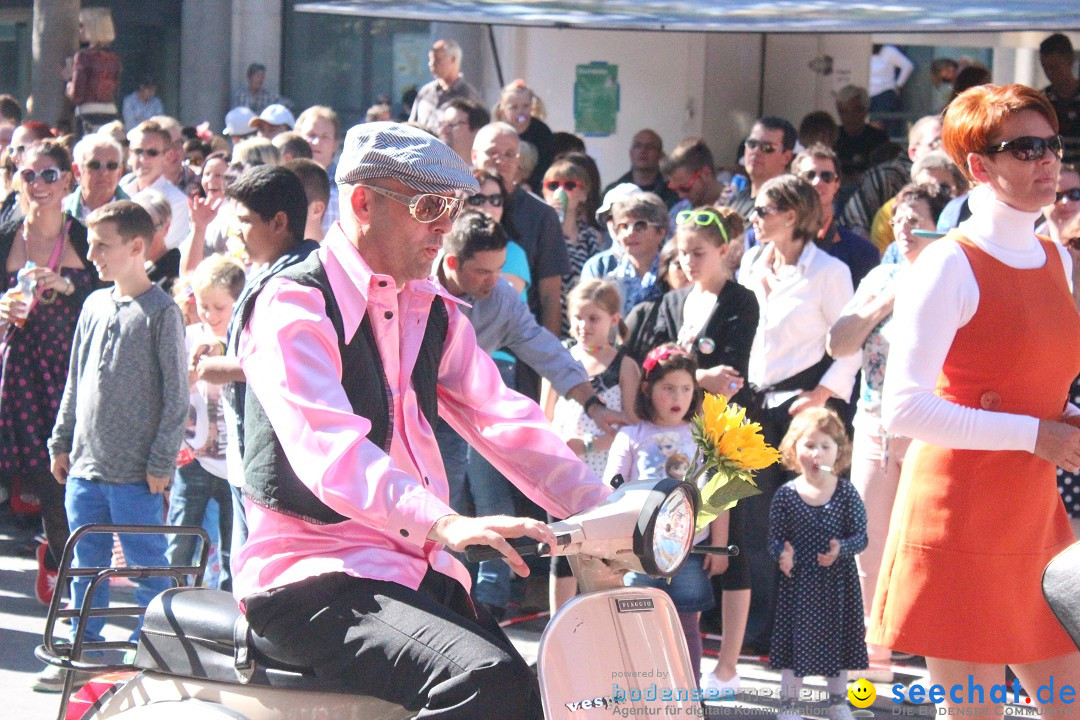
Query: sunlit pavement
{"points": [[22, 620]]}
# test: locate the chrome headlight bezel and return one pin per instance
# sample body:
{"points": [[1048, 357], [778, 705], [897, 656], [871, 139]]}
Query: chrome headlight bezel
{"points": [[665, 496]]}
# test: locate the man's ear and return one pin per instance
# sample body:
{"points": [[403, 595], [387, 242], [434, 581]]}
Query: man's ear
{"points": [[316, 208], [76, 171], [360, 202], [451, 262]]}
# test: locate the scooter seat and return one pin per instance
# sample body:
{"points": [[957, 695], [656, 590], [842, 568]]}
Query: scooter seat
{"points": [[189, 632]]}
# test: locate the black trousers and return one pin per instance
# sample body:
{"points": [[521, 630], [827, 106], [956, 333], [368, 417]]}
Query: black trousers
{"points": [[53, 515], [425, 649]]}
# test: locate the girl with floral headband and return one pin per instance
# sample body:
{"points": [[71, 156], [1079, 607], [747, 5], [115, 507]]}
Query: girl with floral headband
{"points": [[659, 446]]}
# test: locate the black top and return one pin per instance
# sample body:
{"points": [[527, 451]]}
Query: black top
{"points": [[855, 151], [539, 135], [77, 237], [659, 187], [730, 328]]}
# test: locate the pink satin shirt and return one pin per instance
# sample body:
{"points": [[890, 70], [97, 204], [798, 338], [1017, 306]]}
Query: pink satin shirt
{"points": [[289, 354]]}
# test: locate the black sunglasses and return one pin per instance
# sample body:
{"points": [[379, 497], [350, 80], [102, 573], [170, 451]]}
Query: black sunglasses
{"points": [[1028, 148], [1073, 194], [766, 147], [827, 176], [97, 165], [47, 176], [479, 199], [148, 152]]}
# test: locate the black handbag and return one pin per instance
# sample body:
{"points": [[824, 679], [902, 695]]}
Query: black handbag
{"points": [[1061, 588]]}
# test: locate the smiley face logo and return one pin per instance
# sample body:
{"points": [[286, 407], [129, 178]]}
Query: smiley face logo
{"points": [[862, 693]]}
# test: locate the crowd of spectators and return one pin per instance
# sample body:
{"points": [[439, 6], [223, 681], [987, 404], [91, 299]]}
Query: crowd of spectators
{"points": [[779, 284]]}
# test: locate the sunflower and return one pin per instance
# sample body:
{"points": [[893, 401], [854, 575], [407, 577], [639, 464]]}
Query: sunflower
{"points": [[733, 449]]}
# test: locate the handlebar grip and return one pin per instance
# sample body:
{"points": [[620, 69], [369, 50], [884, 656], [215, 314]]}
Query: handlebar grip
{"points": [[525, 546], [730, 550]]}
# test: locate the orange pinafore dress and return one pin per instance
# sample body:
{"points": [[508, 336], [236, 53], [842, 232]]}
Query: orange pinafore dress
{"points": [[972, 530]]}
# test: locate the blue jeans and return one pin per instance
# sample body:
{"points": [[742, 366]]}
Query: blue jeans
{"points": [[93, 501], [239, 520], [455, 457], [492, 495], [478, 489], [193, 486]]}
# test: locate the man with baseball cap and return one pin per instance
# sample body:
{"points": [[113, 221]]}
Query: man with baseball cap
{"points": [[351, 356], [273, 120], [238, 124]]}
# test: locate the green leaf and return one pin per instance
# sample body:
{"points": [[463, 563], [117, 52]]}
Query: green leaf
{"points": [[722, 492]]}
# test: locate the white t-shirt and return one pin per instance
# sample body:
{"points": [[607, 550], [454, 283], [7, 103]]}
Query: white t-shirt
{"points": [[206, 432], [884, 65]]}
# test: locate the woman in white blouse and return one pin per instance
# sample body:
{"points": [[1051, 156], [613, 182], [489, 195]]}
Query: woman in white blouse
{"points": [[801, 291], [985, 343]]}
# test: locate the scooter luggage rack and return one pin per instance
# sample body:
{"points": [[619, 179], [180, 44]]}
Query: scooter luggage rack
{"points": [[69, 655]]}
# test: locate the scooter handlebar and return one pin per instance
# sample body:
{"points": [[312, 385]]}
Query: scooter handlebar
{"points": [[730, 550], [525, 546]]}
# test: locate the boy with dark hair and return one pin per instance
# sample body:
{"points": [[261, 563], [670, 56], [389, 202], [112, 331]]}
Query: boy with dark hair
{"points": [[121, 419], [317, 190], [271, 213]]}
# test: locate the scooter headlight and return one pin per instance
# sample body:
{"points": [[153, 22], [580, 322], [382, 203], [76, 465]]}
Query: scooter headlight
{"points": [[665, 528]]}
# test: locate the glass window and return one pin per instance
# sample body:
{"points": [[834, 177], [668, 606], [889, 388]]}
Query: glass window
{"points": [[350, 63]]}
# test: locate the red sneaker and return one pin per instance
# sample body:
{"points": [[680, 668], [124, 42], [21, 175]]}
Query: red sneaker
{"points": [[46, 578]]}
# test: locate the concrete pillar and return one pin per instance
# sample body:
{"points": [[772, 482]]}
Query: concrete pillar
{"points": [[205, 32], [256, 37], [56, 34]]}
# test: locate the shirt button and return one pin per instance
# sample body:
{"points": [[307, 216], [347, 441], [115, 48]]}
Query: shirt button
{"points": [[388, 315], [990, 400], [404, 532]]}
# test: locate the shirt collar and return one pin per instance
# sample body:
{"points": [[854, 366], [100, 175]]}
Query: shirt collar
{"points": [[347, 271], [806, 257]]}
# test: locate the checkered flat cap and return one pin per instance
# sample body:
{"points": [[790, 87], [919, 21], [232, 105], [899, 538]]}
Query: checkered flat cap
{"points": [[413, 156]]}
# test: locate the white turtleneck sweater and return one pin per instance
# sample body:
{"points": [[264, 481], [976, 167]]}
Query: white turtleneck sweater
{"points": [[936, 298]]}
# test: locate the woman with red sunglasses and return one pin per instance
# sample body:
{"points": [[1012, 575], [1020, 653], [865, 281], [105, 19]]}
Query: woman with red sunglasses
{"points": [[983, 350], [566, 188], [36, 333]]}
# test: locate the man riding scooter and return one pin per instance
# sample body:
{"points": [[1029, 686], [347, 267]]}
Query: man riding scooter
{"points": [[350, 357]]}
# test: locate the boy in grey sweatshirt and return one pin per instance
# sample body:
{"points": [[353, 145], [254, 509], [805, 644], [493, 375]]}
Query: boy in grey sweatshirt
{"points": [[121, 420]]}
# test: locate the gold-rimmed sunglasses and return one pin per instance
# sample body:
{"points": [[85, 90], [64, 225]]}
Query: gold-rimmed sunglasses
{"points": [[424, 207]]}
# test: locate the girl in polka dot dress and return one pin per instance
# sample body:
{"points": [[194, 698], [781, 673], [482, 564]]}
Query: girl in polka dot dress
{"points": [[817, 525]]}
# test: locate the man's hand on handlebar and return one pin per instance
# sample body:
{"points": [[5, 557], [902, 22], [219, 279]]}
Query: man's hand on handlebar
{"points": [[457, 532]]}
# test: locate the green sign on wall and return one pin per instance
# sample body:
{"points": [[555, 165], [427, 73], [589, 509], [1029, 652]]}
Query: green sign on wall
{"points": [[596, 99]]}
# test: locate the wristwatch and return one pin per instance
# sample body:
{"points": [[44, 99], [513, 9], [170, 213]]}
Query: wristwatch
{"points": [[594, 400]]}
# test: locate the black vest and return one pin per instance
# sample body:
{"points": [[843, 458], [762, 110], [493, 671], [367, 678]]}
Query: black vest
{"points": [[269, 478]]}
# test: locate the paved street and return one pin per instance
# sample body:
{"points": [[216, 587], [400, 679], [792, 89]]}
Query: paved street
{"points": [[22, 621]]}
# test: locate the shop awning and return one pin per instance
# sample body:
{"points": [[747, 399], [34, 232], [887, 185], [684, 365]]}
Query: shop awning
{"points": [[812, 16]]}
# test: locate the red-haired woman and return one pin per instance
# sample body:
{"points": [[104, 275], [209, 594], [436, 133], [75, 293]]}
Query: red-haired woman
{"points": [[985, 346]]}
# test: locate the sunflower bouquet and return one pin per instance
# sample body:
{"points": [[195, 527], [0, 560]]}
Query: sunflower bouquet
{"points": [[732, 449]]}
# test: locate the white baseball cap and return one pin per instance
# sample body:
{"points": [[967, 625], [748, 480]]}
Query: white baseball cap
{"points": [[275, 114], [238, 121]]}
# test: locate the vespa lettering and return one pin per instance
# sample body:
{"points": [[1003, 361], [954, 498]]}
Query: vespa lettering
{"points": [[596, 703]]}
